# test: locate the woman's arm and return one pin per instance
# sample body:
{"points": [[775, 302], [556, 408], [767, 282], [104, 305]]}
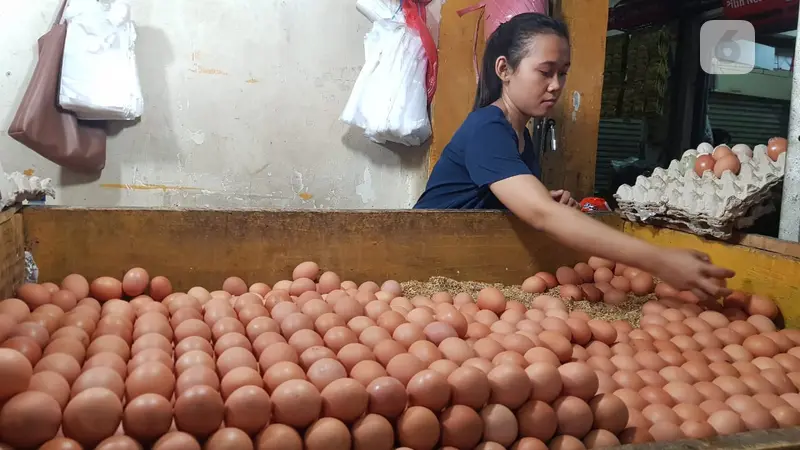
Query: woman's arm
{"points": [[527, 198]]}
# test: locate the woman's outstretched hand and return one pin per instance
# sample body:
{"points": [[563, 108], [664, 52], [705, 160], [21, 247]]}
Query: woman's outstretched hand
{"points": [[565, 198], [691, 270]]}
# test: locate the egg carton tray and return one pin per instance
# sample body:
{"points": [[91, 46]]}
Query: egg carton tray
{"points": [[678, 197]]}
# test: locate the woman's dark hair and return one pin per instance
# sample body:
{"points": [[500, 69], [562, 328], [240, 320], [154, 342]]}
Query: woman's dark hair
{"points": [[510, 40]]}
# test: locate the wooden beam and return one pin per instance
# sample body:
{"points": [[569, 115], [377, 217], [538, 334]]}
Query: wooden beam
{"points": [[455, 92], [577, 114]]}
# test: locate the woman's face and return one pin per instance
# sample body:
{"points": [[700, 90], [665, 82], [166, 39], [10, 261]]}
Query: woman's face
{"points": [[534, 87]]}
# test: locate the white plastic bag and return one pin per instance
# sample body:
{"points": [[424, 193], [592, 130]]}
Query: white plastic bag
{"points": [[99, 79], [389, 99], [381, 9]]}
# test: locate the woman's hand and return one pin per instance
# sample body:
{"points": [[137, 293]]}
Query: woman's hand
{"points": [[565, 198], [690, 270], [526, 197]]}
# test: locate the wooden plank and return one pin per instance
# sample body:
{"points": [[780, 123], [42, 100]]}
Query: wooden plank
{"points": [[455, 92], [12, 251], [202, 247], [765, 272], [785, 248], [577, 114]]}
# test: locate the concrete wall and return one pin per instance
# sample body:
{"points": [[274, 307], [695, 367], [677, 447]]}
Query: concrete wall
{"points": [[242, 103]]}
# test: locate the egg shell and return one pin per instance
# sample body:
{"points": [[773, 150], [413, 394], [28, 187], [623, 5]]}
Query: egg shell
{"points": [[418, 428]]}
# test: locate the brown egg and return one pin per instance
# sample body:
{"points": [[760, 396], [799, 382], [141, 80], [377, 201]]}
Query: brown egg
{"points": [[324, 371], [344, 399], [609, 412], [509, 385], [107, 359], [461, 427], [279, 437], [275, 353], [469, 387], [231, 340], [352, 354], [29, 419], [759, 345], [236, 357], [437, 332], [328, 433], [176, 440], [786, 416], [367, 370], [15, 371], [147, 417], [579, 380], [229, 439], [238, 377], [248, 408], [199, 411], [574, 416], [372, 432], [654, 395], [546, 381], [418, 428], [387, 397], [429, 389], [404, 366], [635, 436], [491, 299], [34, 295], [61, 363], [726, 422], [101, 377], [92, 416], [151, 341], [259, 326], [119, 442], [280, 372], [302, 340], [296, 403], [557, 343], [537, 419]]}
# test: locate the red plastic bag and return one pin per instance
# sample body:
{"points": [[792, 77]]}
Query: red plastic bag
{"points": [[417, 20], [496, 12]]}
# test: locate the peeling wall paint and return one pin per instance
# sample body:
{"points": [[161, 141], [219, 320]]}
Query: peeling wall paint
{"points": [[241, 110]]}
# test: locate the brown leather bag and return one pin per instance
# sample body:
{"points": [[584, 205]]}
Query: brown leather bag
{"points": [[41, 125]]}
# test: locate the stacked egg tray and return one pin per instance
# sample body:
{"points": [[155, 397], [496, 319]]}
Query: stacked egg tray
{"points": [[318, 363], [704, 205]]}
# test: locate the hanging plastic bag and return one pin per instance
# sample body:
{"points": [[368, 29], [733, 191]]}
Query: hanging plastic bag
{"points": [[99, 78], [497, 12], [414, 12], [381, 9], [389, 98]]}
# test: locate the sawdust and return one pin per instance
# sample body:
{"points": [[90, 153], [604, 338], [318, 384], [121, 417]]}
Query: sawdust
{"points": [[630, 311]]}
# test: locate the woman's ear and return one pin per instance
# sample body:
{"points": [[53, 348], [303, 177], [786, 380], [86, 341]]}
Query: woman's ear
{"points": [[502, 68]]}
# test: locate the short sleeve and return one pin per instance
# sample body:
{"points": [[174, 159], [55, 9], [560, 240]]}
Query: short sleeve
{"points": [[492, 154]]}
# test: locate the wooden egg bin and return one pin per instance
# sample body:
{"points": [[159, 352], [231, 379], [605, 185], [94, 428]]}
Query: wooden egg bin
{"points": [[203, 247]]}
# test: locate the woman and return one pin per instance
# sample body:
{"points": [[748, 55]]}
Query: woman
{"points": [[491, 162]]}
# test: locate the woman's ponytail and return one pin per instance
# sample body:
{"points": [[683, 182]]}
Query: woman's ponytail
{"points": [[510, 40]]}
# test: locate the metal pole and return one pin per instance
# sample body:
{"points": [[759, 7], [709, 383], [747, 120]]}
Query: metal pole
{"points": [[790, 204]]}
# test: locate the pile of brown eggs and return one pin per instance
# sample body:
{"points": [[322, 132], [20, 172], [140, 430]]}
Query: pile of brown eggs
{"points": [[318, 363]]}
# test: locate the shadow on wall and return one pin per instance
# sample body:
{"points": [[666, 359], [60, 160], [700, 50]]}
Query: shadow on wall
{"points": [[389, 154]]}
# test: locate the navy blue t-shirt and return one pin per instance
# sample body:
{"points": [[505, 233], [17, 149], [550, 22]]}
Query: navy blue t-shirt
{"points": [[484, 150]]}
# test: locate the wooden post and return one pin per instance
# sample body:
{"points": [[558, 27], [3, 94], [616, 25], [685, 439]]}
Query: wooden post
{"points": [[577, 114], [455, 92]]}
